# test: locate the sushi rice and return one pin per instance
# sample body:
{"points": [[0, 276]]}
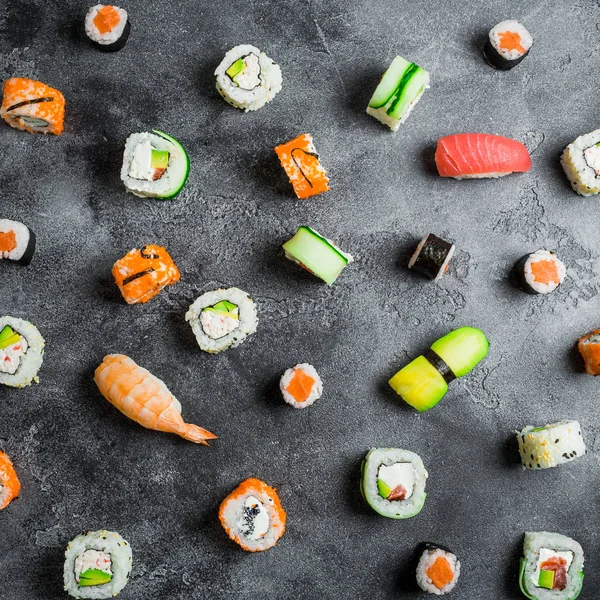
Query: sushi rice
{"points": [[304, 375], [113, 35], [581, 163], [19, 366]]}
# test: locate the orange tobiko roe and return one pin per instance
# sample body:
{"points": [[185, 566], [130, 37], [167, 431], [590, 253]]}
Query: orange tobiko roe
{"points": [[440, 573], [106, 19], [511, 40], [301, 385], [545, 271]]}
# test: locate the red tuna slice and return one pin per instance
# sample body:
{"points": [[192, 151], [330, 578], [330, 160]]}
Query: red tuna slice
{"points": [[480, 155]]}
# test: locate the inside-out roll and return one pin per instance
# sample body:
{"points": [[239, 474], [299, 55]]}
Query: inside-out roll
{"points": [[21, 352]]}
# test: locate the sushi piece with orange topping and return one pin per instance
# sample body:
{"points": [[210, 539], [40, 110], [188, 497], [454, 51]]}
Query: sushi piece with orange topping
{"points": [[301, 386], [540, 272], [17, 242], [507, 45], [438, 569], [32, 106], [9, 482], [107, 27], [589, 348]]}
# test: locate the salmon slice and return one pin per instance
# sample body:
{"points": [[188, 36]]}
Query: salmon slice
{"points": [[589, 349], [473, 155], [300, 386], [440, 573], [511, 40], [545, 271], [106, 19]]}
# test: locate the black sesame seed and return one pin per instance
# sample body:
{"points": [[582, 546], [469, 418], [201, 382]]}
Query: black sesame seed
{"points": [[574, 453], [538, 465], [566, 455], [532, 457], [557, 440]]}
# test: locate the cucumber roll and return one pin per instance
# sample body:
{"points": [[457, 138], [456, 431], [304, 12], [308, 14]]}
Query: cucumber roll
{"points": [[17, 242], [317, 254], [550, 445], [399, 90], [247, 78], [551, 567], [155, 165], [424, 381], [393, 482], [21, 352], [432, 257], [580, 161], [222, 319], [438, 569], [97, 565]]}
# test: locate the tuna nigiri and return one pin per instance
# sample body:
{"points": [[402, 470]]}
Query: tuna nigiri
{"points": [[9, 482], [478, 155], [144, 398]]}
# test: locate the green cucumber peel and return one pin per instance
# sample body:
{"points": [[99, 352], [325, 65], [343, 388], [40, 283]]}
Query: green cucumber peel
{"points": [[167, 137], [522, 580], [325, 241], [399, 93]]}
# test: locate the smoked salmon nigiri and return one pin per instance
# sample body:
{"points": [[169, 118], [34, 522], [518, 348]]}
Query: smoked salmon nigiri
{"points": [[144, 398], [9, 482]]}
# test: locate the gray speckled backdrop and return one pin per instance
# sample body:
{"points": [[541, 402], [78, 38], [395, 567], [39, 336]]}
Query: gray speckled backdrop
{"points": [[84, 466]]}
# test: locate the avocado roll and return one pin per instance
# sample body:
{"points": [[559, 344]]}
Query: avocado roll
{"points": [[393, 482], [580, 161], [507, 45], [432, 257], [424, 381], [107, 27], [222, 319], [438, 569], [540, 272], [399, 90], [550, 445], [551, 567], [301, 386], [247, 78], [155, 165], [97, 565], [317, 254], [21, 352], [17, 242]]}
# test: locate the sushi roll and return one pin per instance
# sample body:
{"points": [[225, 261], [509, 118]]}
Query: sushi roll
{"points": [[10, 486], [551, 567], [107, 27], [424, 381], [97, 565], [252, 516], [393, 482], [399, 90], [222, 319], [21, 352], [300, 160], [507, 45], [301, 386], [155, 165], [438, 569], [247, 78], [17, 242], [581, 163], [480, 155], [540, 272], [142, 274], [550, 445], [32, 106], [317, 254], [432, 257], [589, 348]]}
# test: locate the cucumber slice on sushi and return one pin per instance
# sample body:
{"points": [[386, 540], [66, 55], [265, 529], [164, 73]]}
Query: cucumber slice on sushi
{"points": [[155, 165]]}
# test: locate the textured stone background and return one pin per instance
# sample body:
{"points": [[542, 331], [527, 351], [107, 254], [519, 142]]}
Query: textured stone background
{"points": [[85, 466]]}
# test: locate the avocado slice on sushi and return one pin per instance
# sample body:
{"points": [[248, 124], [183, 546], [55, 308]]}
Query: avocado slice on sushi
{"points": [[225, 307], [236, 68], [8, 337], [462, 349], [94, 577]]}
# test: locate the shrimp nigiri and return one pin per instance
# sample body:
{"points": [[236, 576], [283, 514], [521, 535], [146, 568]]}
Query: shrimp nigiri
{"points": [[9, 482], [144, 398]]}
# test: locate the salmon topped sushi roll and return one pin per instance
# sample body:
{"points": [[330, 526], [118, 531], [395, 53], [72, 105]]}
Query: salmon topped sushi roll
{"points": [[301, 386], [252, 515], [32, 106], [589, 348], [142, 274], [9, 482], [107, 27]]}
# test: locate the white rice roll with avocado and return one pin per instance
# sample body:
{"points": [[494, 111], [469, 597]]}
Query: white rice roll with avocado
{"points": [[222, 319], [393, 482], [581, 163], [247, 78], [301, 386], [155, 165], [438, 569], [97, 565], [551, 567], [21, 352]]}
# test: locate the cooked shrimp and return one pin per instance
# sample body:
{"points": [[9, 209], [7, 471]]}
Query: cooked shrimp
{"points": [[144, 398], [9, 482]]}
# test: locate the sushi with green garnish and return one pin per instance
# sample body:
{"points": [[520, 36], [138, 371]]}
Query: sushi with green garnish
{"points": [[21, 352]]}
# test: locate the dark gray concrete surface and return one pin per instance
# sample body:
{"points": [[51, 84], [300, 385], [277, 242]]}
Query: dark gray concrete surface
{"points": [[84, 466]]}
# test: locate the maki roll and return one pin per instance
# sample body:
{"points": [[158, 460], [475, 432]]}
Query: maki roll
{"points": [[540, 272], [550, 445], [438, 569], [581, 163], [247, 78], [252, 516], [10, 486], [142, 274], [317, 254], [32, 106], [300, 160], [107, 27], [432, 257], [424, 381], [301, 386], [507, 45], [551, 567], [21, 352], [17, 242], [589, 348], [222, 319], [97, 565], [155, 165], [393, 482], [400, 88]]}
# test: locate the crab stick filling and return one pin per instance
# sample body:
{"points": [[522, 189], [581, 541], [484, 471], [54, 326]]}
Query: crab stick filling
{"points": [[245, 72], [220, 319], [93, 567], [148, 163], [13, 348], [592, 157], [552, 569], [300, 386], [254, 522], [440, 573], [396, 482]]}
